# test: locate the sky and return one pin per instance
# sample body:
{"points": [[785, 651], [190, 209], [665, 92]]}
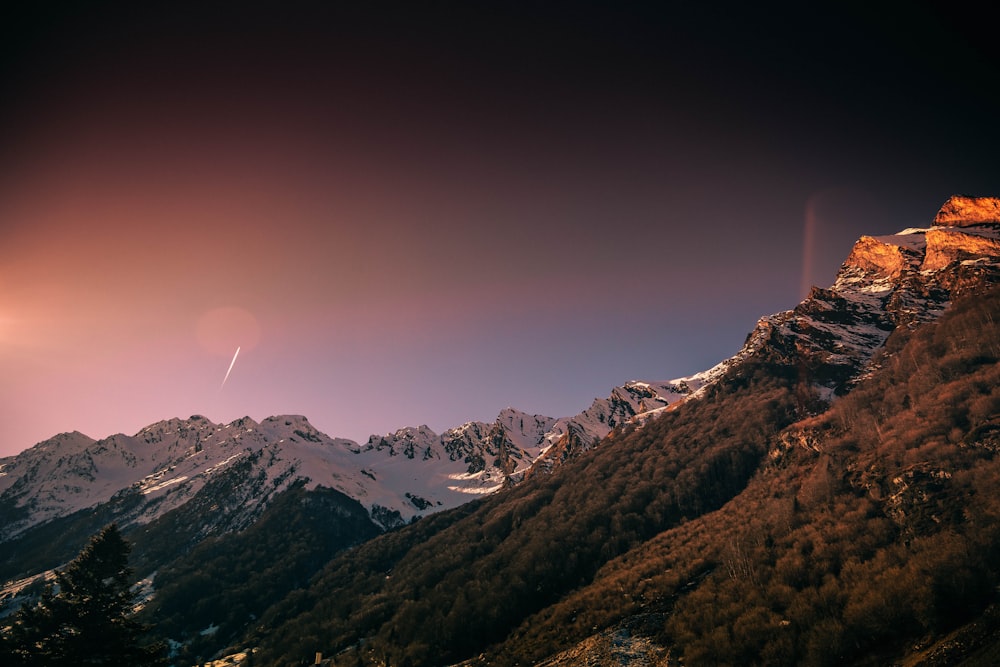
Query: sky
{"points": [[422, 213]]}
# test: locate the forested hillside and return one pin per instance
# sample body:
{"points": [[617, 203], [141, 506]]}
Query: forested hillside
{"points": [[870, 532], [746, 528], [207, 597]]}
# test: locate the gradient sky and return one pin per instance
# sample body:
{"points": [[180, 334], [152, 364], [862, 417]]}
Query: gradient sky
{"points": [[422, 214]]}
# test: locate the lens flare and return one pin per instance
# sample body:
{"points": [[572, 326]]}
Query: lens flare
{"points": [[808, 247]]}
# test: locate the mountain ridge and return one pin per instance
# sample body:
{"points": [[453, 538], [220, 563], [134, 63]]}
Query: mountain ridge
{"points": [[205, 481], [885, 282], [169, 461]]}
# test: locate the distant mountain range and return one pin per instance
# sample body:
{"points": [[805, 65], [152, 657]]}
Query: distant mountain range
{"points": [[397, 476], [178, 486]]}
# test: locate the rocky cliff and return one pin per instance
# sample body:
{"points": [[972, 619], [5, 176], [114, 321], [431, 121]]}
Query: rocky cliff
{"points": [[886, 282], [957, 244], [960, 211]]}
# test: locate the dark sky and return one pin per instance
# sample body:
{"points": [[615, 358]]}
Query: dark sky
{"points": [[408, 213]]}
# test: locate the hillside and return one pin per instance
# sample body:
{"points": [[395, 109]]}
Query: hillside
{"points": [[730, 531], [759, 524], [727, 532], [867, 536], [434, 596]]}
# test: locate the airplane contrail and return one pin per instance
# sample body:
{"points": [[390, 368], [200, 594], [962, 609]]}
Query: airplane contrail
{"points": [[231, 364]]}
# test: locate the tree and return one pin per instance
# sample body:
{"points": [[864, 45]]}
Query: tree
{"points": [[86, 616]]}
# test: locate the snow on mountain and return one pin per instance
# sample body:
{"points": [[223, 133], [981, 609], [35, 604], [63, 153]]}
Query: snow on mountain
{"points": [[163, 466], [55, 471], [627, 401], [167, 464], [634, 400], [397, 476]]}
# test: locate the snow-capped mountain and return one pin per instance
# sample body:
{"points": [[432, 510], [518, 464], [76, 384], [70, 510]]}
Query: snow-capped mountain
{"points": [[160, 468], [396, 476], [831, 337]]}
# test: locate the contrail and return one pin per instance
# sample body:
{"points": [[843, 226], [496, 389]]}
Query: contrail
{"points": [[231, 364]]}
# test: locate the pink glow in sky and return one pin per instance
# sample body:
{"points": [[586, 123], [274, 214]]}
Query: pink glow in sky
{"points": [[408, 217]]}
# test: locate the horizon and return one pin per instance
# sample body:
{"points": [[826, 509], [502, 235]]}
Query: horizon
{"points": [[380, 219]]}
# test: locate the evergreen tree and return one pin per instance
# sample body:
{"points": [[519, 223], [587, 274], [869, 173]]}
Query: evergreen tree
{"points": [[86, 616]]}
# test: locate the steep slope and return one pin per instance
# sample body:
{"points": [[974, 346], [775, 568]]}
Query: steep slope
{"points": [[886, 282], [439, 596], [869, 537], [499, 573]]}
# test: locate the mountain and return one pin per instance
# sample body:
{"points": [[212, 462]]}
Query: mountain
{"points": [[397, 476], [826, 497], [517, 514]]}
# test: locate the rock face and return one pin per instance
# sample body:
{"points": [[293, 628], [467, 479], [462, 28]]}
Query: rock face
{"points": [[923, 250], [885, 256], [961, 211], [949, 244]]}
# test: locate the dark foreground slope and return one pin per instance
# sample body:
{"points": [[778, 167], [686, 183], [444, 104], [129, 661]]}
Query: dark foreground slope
{"points": [[209, 596], [740, 529]]}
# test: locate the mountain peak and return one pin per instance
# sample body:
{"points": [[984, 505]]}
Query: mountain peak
{"points": [[962, 211]]}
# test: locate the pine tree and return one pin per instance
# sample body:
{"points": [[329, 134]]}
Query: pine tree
{"points": [[86, 616]]}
